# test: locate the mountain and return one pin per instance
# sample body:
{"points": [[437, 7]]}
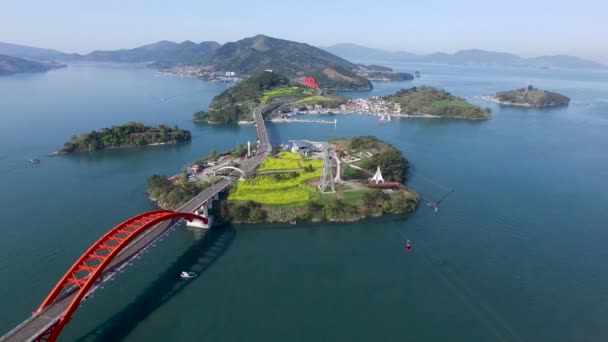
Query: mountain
{"points": [[161, 54], [362, 54], [354, 52], [27, 52], [474, 56], [292, 59], [13, 65], [563, 61]]}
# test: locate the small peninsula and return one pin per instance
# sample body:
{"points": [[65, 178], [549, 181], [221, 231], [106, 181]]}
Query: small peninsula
{"points": [[382, 73], [130, 134], [431, 102], [13, 65], [284, 188], [529, 97]]}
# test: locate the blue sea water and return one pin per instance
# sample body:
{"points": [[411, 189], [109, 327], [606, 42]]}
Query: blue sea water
{"points": [[515, 253]]}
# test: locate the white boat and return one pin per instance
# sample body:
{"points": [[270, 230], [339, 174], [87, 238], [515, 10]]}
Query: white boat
{"points": [[188, 275]]}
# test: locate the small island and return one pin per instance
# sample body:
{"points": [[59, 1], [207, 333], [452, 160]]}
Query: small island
{"points": [[285, 187], [130, 134], [431, 102], [529, 97], [382, 73]]}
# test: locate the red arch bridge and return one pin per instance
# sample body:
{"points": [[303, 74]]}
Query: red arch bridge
{"points": [[119, 246], [96, 265]]}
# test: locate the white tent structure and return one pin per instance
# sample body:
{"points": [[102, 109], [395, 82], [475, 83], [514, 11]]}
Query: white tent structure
{"points": [[378, 177]]}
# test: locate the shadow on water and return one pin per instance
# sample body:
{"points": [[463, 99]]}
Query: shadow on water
{"points": [[198, 258]]}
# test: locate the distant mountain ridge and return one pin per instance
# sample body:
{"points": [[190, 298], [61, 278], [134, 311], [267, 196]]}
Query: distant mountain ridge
{"points": [[161, 54], [361, 54], [33, 53], [246, 56]]}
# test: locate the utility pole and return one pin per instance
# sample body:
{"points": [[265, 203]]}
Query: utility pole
{"points": [[327, 179]]}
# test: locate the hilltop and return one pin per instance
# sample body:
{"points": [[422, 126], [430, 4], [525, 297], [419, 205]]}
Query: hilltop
{"points": [[292, 59], [529, 97], [429, 101], [237, 103], [13, 65]]}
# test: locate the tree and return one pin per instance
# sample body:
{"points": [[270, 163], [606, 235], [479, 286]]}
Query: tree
{"points": [[352, 173], [240, 150], [339, 209], [403, 202], [183, 178], [213, 154], [393, 165]]}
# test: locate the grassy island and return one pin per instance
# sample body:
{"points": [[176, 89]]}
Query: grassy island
{"points": [[285, 187], [130, 134], [529, 97], [428, 101]]}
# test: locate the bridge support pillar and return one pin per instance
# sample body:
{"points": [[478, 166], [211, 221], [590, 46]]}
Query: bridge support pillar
{"points": [[204, 212]]}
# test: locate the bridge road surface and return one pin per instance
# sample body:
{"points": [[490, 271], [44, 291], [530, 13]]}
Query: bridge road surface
{"points": [[38, 323]]}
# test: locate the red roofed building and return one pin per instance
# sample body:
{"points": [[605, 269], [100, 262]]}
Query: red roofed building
{"points": [[310, 82]]}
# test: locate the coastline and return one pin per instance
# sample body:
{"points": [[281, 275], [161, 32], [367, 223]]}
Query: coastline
{"points": [[395, 115], [492, 98], [59, 153]]}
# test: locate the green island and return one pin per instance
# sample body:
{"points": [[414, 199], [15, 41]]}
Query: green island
{"points": [[381, 73], [432, 102], [129, 134], [529, 97], [285, 187]]}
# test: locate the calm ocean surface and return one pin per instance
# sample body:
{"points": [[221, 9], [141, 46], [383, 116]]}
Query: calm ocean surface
{"points": [[516, 253]]}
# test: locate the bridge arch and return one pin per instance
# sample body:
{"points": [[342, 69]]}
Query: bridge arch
{"points": [[82, 275], [227, 167]]}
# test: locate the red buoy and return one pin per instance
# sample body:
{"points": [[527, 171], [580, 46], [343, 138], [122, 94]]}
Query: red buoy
{"points": [[408, 246]]}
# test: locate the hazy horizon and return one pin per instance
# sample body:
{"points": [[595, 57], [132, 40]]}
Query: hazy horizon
{"points": [[433, 26]]}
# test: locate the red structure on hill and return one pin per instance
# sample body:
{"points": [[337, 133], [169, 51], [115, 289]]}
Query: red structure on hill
{"points": [[310, 82]]}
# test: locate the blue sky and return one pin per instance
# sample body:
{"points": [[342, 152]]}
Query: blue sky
{"points": [[529, 28]]}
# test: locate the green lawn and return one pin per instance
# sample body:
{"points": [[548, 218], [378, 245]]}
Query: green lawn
{"points": [[280, 188], [284, 92]]}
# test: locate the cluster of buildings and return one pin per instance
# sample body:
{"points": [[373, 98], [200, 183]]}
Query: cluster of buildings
{"points": [[373, 105], [197, 71]]}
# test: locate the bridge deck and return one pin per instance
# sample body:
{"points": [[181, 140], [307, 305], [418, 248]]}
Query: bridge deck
{"points": [[38, 323]]}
